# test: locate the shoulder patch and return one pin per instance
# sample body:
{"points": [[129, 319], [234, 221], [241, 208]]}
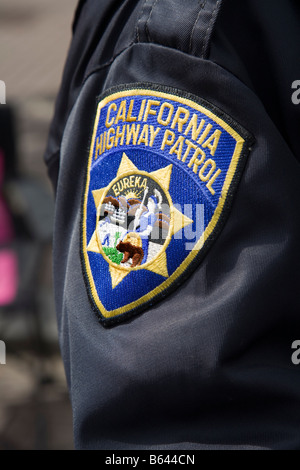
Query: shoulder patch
{"points": [[162, 171]]}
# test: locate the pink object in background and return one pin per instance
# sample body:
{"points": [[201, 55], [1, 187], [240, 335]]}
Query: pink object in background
{"points": [[8, 258], [8, 276]]}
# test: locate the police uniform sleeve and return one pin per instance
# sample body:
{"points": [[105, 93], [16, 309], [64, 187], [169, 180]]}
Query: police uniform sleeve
{"points": [[179, 336]]}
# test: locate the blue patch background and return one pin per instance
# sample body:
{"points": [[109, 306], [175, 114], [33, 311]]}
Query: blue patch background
{"points": [[185, 188]]}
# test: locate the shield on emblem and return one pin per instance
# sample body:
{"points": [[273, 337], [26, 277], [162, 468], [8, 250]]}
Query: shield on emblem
{"points": [[162, 171]]}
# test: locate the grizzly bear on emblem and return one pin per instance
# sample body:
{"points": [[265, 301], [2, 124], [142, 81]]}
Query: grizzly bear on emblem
{"points": [[131, 251]]}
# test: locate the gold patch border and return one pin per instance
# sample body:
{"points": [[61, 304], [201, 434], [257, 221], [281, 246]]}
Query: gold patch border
{"points": [[108, 314]]}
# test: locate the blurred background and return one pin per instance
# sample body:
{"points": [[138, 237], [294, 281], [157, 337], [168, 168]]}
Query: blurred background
{"points": [[35, 411]]}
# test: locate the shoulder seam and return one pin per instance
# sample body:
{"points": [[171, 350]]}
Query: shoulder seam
{"points": [[187, 31], [208, 33]]}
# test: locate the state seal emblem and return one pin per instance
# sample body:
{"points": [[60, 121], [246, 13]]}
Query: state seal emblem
{"points": [[162, 170]]}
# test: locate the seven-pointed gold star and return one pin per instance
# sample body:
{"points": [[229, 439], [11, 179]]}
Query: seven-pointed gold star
{"points": [[178, 221]]}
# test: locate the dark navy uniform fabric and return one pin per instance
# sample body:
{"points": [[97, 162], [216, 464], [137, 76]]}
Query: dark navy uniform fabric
{"points": [[208, 367]]}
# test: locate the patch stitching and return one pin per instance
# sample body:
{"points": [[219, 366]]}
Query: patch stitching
{"points": [[183, 271]]}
